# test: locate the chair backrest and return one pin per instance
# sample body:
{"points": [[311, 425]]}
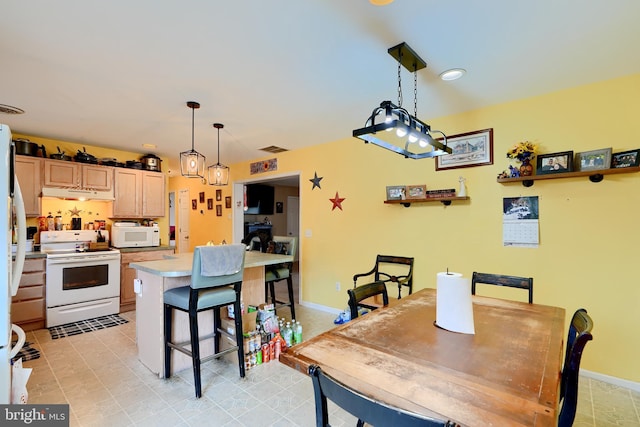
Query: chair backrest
{"points": [[525, 283], [360, 406], [579, 333], [359, 293], [391, 264], [289, 244], [217, 265]]}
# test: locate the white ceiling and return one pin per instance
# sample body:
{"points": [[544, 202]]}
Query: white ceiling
{"points": [[289, 73]]}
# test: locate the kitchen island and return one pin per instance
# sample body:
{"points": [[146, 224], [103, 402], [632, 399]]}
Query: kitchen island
{"points": [[157, 276]]}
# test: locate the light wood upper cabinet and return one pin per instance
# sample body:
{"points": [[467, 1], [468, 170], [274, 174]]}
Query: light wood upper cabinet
{"points": [[138, 194], [153, 197], [29, 173], [60, 173]]}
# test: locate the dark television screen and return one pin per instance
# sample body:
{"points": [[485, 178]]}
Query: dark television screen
{"points": [[260, 199]]}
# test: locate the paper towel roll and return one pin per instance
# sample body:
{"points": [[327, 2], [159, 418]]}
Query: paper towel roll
{"points": [[454, 309]]}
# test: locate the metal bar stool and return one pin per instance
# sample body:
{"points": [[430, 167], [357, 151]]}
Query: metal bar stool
{"points": [[276, 273], [216, 281]]}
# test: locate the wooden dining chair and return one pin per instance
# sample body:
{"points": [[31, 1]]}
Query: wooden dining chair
{"points": [[525, 283], [360, 293], [579, 334], [390, 264], [364, 408]]}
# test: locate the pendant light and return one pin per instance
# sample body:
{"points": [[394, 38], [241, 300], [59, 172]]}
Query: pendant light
{"points": [[218, 174], [191, 162], [412, 137]]}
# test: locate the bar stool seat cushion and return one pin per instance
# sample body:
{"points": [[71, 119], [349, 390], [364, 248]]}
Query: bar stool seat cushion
{"points": [[179, 297]]}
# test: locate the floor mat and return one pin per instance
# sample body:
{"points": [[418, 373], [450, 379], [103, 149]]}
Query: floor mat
{"points": [[83, 326], [26, 353]]}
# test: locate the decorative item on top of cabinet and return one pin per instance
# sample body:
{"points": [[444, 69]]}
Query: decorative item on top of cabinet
{"points": [[127, 274]]}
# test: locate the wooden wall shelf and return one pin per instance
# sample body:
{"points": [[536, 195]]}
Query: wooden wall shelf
{"points": [[444, 200], [594, 176]]}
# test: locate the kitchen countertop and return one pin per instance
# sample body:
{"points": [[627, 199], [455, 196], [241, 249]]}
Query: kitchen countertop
{"points": [[180, 265]]}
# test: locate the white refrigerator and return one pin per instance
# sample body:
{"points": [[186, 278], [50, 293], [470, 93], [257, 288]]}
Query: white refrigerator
{"points": [[10, 271]]}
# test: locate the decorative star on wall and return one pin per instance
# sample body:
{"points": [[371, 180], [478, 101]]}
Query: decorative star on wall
{"points": [[337, 202], [316, 180], [75, 211]]}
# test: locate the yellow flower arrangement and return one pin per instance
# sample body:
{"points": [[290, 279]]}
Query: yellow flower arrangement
{"points": [[522, 150]]}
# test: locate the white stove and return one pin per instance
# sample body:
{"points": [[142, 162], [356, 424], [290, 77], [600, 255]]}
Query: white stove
{"points": [[80, 283]]}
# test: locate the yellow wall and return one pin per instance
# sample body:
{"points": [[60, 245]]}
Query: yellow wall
{"points": [[588, 231]]}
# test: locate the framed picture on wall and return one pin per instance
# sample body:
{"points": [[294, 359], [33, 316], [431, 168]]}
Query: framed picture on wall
{"points": [[554, 163], [593, 160], [209, 204], [396, 192], [468, 150], [194, 204], [416, 191], [227, 202], [626, 159], [218, 210], [218, 195], [202, 197], [279, 207]]}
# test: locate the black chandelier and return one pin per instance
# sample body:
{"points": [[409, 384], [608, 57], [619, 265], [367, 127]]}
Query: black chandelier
{"points": [[404, 133], [218, 174]]}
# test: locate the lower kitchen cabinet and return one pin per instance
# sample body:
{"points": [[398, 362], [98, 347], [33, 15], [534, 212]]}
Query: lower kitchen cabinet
{"points": [[127, 274], [28, 306]]}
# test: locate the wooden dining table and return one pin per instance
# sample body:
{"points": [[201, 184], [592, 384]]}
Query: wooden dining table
{"points": [[506, 374]]}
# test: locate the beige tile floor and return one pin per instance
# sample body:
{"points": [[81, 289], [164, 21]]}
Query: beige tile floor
{"points": [[99, 376]]}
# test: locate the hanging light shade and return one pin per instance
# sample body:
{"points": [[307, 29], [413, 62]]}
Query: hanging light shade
{"points": [[218, 174], [404, 134], [191, 162]]}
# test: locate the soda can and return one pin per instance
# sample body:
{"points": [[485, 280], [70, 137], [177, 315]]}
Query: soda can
{"points": [[272, 350], [278, 346], [259, 357], [266, 353]]}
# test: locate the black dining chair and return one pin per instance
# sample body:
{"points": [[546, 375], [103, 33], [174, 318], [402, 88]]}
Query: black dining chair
{"points": [[579, 333], [525, 283], [360, 293], [363, 407], [391, 264], [216, 281], [275, 273]]}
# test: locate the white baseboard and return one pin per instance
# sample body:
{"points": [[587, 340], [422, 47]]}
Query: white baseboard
{"points": [[320, 307], [611, 380]]}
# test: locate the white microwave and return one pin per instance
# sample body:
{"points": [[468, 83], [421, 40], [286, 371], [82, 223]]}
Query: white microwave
{"points": [[134, 236]]}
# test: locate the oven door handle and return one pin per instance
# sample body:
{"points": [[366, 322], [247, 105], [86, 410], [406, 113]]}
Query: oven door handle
{"points": [[83, 260]]}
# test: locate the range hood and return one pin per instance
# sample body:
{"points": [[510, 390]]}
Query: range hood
{"points": [[77, 194]]}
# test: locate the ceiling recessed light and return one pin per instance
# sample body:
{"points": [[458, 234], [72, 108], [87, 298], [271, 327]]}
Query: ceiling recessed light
{"points": [[149, 145], [452, 74], [380, 2]]}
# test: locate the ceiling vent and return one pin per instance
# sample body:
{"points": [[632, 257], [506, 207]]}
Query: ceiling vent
{"points": [[8, 109], [273, 149]]}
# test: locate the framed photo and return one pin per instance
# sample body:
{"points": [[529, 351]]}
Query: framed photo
{"points": [[227, 202], [209, 204], [554, 163], [218, 195], [194, 204], [396, 192], [469, 149], [626, 159], [279, 207], [202, 197], [593, 160], [218, 210], [416, 191]]}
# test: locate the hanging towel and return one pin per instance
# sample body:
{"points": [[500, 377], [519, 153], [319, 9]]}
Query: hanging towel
{"points": [[221, 260]]}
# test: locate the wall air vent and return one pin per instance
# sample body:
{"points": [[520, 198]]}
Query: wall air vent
{"points": [[8, 109]]}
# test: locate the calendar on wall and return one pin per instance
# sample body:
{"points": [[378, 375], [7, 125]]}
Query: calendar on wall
{"points": [[520, 222]]}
